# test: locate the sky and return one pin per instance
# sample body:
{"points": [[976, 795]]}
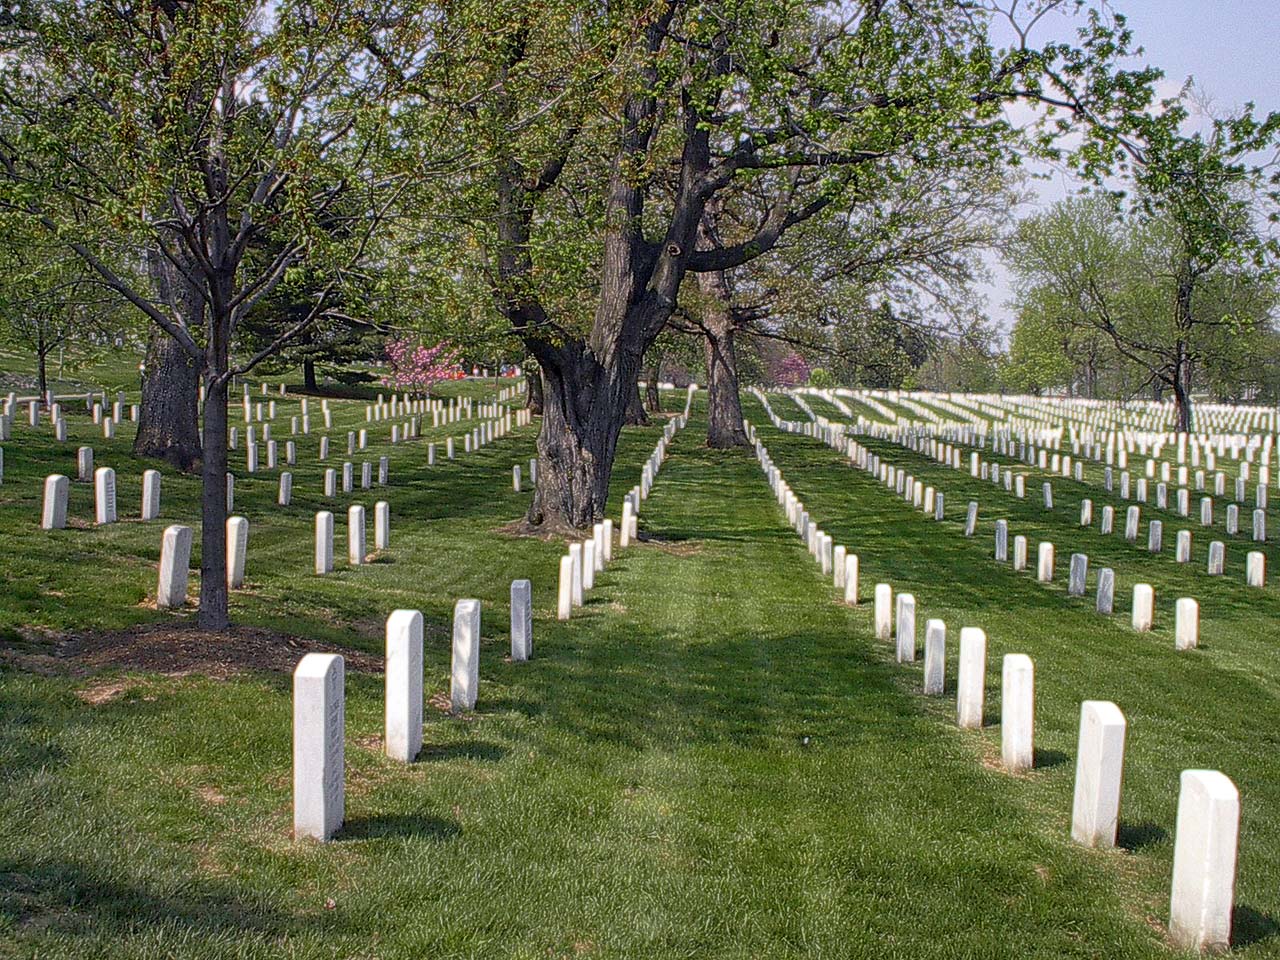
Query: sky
{"points": [[1230, 47]]}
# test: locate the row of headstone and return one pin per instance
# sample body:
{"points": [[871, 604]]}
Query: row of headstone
{"points": [[1205, 842], [585, 559], [319, 707], [357, 535]]}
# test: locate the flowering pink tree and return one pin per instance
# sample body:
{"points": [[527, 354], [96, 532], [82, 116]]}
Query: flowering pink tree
{"points": [[414, 366], [792, 371]]}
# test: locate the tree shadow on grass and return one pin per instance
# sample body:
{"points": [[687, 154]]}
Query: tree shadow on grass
{"points": [[398, 825], [75, 899]]}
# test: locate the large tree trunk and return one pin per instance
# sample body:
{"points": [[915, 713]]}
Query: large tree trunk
{"points": [[169, 421], [636, 417], [213, 509], [42, 371], [309, 376], [533, 389], [584, 407], [724, 406], [652, 395], [1182, 391]]}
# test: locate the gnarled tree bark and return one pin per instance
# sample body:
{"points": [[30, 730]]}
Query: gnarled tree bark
{"points": [[636, 417], [533, 389], [724, 406], [169, 418], [652, 395]]}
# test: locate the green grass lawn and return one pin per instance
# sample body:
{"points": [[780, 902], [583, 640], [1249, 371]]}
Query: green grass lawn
{"points": [[713, 759]]}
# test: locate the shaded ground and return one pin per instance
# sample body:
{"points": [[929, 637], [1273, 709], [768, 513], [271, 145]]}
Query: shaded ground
{"points": [[176, 651]]}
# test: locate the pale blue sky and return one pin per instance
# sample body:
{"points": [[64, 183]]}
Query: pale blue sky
{"points": [[1230, 47]]}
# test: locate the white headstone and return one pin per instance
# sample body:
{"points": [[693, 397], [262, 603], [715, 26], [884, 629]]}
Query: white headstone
{"points": [[1044, 562], [1204, 862], [1017, 712], [382, 525], [1077, 575], [1217, 557], [175, 559], [54, 515], [575, 554], [104, 495], [1095, 810], [1256, 569], [1187, 627], [883, 611], [1106, 590], [905, 619], [324, 542], [355, 535], [465, 673], [935, 657], [237, 551], [564, 596], [403, 729], [972, 677], [150, 494], [1144, 600], [521, 620], [319, 731]]}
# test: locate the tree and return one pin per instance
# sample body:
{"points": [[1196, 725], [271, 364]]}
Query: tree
{"points": [[198, 131], [1202, 198], [169, 415], [1087, 267], [417, 367], [47, 300], [654, 109]]}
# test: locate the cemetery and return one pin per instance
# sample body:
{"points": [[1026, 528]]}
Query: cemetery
{"points": [[468, 718], [675, 479]]}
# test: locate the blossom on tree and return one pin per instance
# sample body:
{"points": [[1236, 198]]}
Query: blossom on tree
{"points": [[415, 366], [791, 371]]}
